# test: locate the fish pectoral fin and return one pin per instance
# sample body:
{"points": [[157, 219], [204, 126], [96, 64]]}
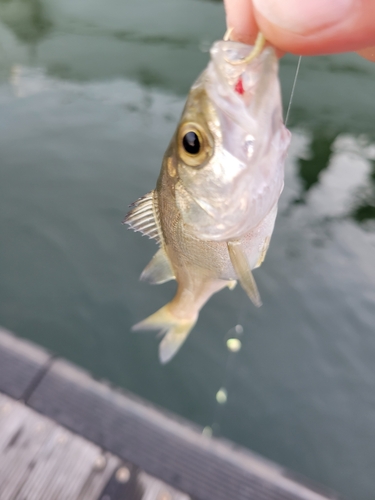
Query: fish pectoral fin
{"points": [[144, 217], [159, 269], [241, 266], [175, 331]]}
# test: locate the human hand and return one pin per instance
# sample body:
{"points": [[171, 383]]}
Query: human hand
{"points": [[306, 27]]}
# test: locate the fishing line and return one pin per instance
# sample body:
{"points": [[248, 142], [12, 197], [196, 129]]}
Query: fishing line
{"points": [[233, 336], [293, 89]]}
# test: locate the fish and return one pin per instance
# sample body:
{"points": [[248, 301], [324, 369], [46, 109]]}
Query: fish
{"points": [[214, 207]]}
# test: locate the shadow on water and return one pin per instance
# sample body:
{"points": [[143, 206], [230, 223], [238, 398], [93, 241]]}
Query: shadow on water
{"points": [[26, 18], [315, 161], [129, 36], [364, 211], [321, 149], [309, 169]]}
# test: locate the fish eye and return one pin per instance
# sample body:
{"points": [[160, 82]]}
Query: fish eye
{"points": [[191, 143], [194, 144]]}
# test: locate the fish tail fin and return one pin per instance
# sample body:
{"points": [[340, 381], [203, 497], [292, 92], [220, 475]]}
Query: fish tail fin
{"points": [[175, 331]]}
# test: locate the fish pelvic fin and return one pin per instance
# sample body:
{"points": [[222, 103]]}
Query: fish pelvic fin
{"points": [[144, 217], [159, 269], [175, 331], [241, 266]]}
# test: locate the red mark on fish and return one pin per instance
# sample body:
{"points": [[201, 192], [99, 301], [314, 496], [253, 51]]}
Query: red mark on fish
{"points": [[239, 87]]}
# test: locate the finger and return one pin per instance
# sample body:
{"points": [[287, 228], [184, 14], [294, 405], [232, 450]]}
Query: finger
{"points": [[240, 17], [316, 27]]}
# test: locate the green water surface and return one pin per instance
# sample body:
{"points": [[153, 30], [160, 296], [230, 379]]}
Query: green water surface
{"points": [[90, 93]]}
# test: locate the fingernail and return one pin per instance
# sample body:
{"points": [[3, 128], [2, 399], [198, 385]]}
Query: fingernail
{"points": [[304, 16]]}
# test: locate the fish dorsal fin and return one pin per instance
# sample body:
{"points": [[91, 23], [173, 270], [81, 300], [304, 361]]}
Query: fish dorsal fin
{"points": [[158, 270], [144, 216], [241, 266]]}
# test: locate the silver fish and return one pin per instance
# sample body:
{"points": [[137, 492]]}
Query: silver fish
{"points": [[215, 203]]}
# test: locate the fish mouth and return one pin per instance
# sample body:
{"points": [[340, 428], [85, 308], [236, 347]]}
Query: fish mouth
{"points": [[247, 85], [246, 97]]}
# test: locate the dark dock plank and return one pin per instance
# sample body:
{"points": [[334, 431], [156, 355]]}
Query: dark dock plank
{"points": [[155, 444], [21, 364], [164, 446]]}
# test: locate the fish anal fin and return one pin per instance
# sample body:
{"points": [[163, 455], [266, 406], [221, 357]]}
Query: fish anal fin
{"points": [[175, 331], [158, 270], [144, 217], [263, 252], [241, 266]]}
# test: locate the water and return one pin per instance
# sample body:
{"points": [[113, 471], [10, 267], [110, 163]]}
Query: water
{"points": [[90, 93]]}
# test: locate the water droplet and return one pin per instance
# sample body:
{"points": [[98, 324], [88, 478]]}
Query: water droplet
{"points": [[6, 408], [164, 495], [234, 345], [207, 431], [123, 475], [100, 463], [221, 396]]}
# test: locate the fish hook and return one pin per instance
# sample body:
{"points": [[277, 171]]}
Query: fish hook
{"points": [[257, 49]]}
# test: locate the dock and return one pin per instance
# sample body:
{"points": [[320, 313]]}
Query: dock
{"points": [[66, 436]]}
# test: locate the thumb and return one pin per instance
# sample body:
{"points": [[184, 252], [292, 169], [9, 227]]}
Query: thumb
{"points": [[317, 27]]}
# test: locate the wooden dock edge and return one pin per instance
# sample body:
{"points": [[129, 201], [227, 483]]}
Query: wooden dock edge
{"points": [[161, 444]]}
